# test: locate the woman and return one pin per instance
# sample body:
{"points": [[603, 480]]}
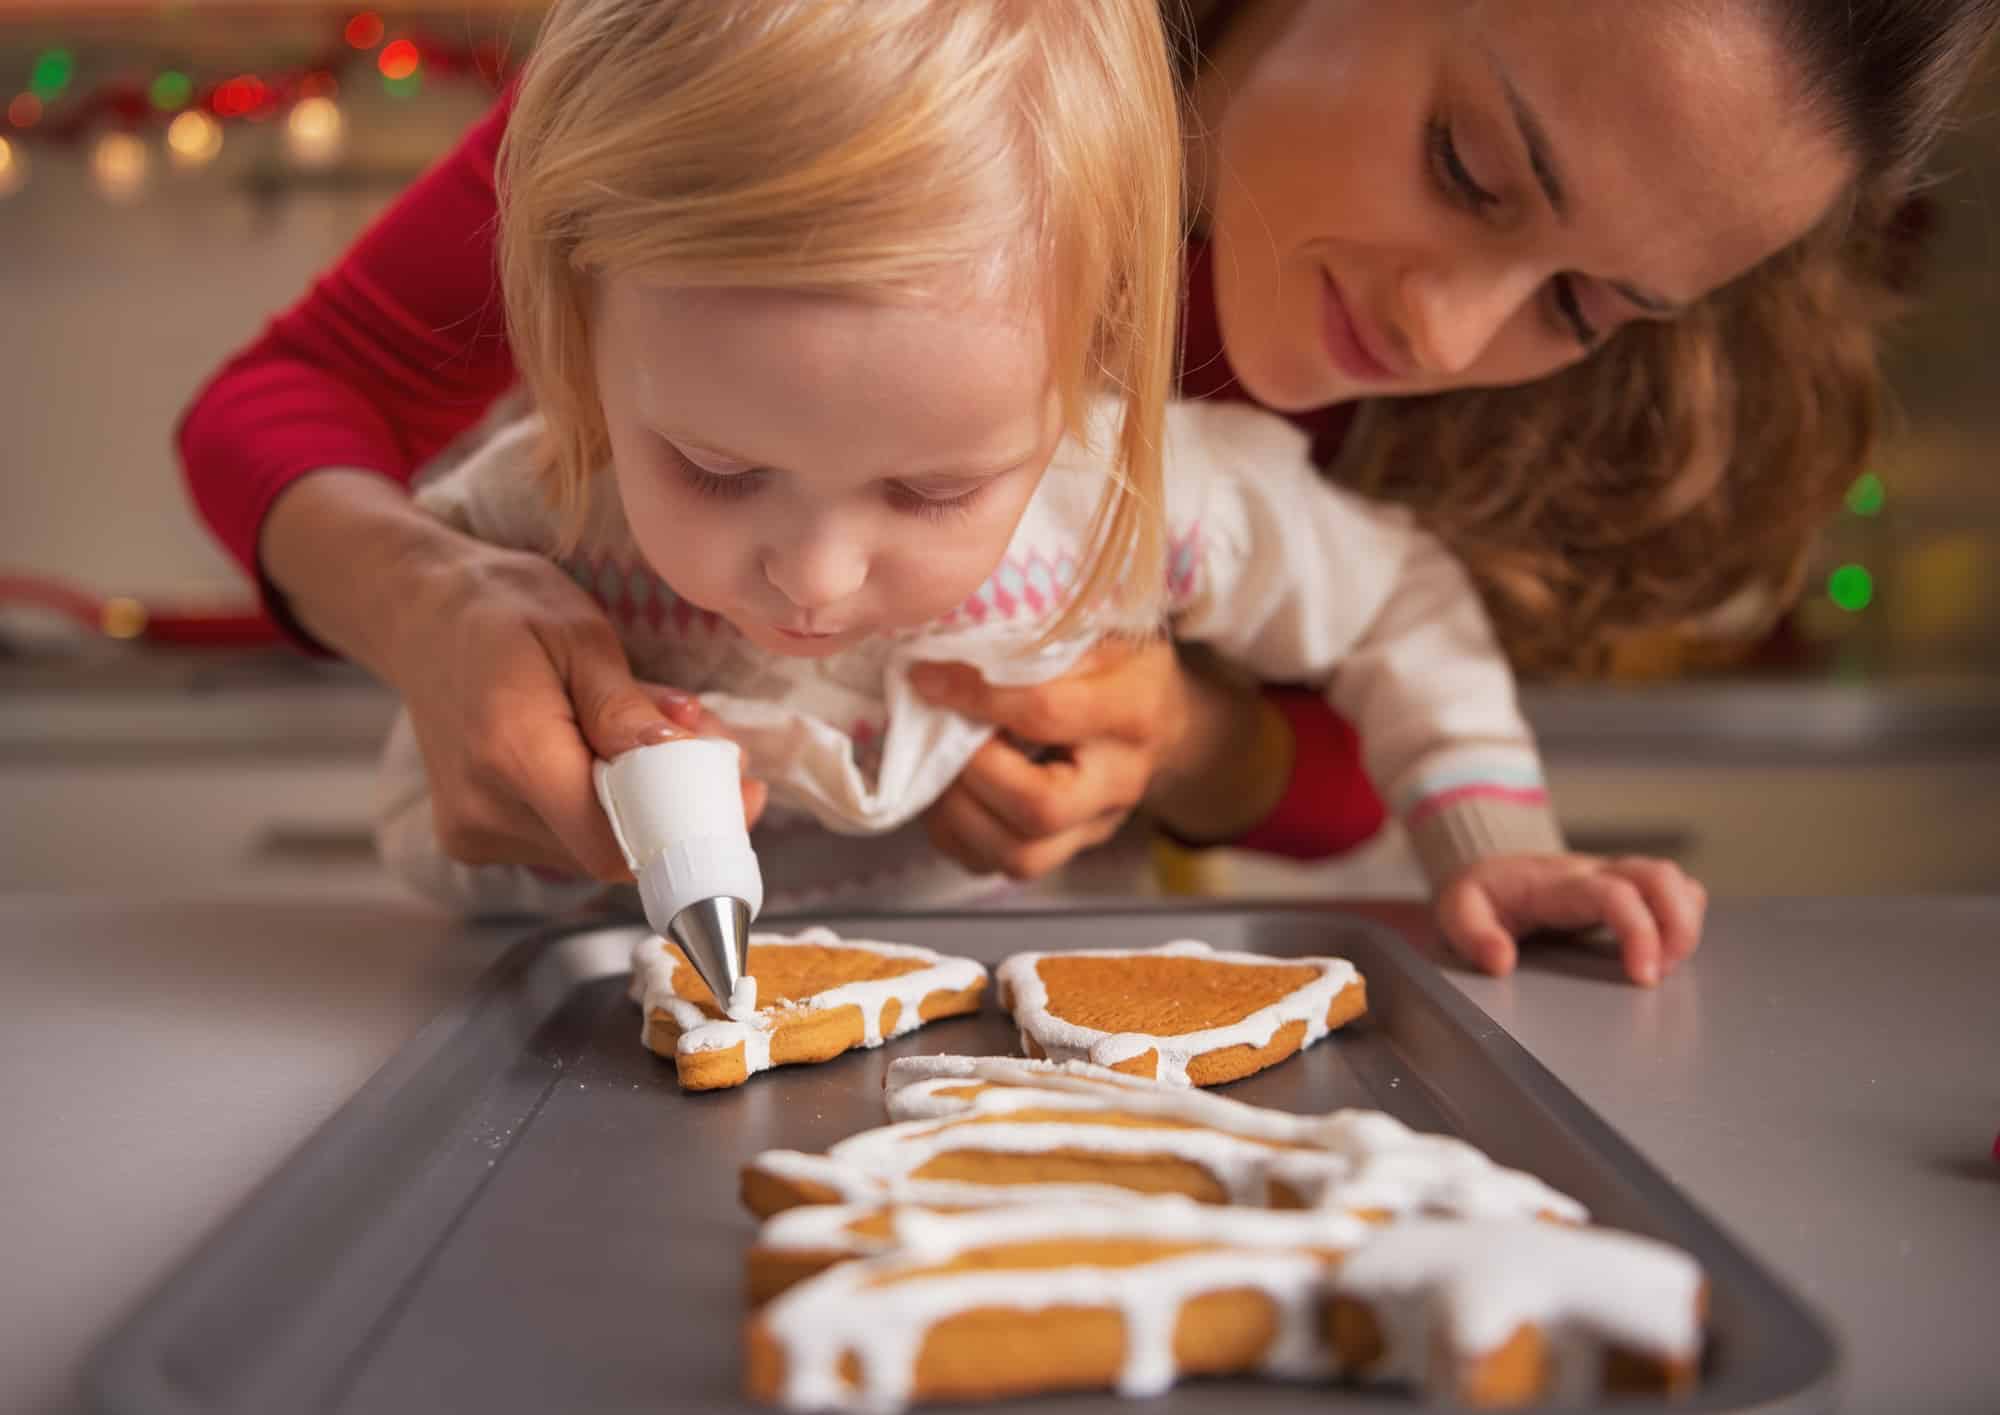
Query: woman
{"points": [[1406, 203]]}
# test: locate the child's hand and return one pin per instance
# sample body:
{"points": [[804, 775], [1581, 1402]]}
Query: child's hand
{"points": [[1653, 906]]}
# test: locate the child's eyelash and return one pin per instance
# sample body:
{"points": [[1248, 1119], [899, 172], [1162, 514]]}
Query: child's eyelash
{"points": [[729, 488], [933, 508]]}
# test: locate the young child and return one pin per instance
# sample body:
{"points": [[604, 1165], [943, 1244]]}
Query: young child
{"points": [[849, 330]]}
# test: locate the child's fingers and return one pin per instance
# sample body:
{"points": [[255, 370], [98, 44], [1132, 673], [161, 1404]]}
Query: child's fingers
{"points": [[1678, 905], [1473, 929], [1618, 904]]}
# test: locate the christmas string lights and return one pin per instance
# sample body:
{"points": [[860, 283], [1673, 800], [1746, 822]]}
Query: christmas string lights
{"points": [[114, 123]]}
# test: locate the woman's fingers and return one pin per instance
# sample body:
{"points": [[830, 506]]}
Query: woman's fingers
{"points": [[962, 828], [1081, 704], [1036, 799]]}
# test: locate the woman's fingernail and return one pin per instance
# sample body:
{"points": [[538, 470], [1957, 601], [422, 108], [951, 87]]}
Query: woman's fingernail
{"points": [[654, 733], [1647, 974], [671, 696]]}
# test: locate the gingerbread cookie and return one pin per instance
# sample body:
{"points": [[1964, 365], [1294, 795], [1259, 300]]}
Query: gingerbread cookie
{"points": [[1182, 1012], [1085, 1133], [1022, 1301], [1507, 1313], [808, 997]]}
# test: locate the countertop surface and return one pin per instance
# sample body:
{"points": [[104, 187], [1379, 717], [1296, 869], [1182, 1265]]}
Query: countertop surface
{"points": [[1824, 1079]]}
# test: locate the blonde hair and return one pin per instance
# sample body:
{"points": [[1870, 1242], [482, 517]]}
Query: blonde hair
{"points": [[882, 149]]}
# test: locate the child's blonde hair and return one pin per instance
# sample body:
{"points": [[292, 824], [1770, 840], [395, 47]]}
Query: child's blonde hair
{"points": [[885, 149]]}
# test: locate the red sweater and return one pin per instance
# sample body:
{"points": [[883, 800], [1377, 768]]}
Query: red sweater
{"points": [[402, 346]]}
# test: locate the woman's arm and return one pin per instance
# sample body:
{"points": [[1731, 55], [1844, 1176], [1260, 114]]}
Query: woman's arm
{"points": [[396, 351], [1216, 761], [298, 454]]}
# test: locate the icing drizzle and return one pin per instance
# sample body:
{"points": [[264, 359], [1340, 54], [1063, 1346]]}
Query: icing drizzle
{"points": [[1356, 1161], [1473, 1284], [849, 1308], [1064, 1040], [654, 962]]}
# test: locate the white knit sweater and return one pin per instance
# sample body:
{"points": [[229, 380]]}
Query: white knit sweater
{"points": [[1279, 572]]}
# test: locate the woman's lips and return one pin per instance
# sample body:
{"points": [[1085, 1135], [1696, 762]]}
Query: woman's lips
{"points": [[1345, 343]]}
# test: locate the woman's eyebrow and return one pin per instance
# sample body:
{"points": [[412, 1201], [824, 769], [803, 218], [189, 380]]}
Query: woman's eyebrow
{"points": [[1548, 175], [1535, 137]]}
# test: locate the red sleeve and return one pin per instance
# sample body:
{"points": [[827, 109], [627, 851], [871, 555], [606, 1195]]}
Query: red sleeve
{"points": [[1329, 806], [397, 350]]}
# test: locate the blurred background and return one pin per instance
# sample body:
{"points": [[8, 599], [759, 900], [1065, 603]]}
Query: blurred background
{"points": [[171, 174]]}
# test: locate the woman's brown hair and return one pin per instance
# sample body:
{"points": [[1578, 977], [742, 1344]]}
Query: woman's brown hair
{"points": [[1686, 467]]}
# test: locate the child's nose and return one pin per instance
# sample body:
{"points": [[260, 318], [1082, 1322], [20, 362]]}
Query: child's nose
{"points": [[817, 574]]}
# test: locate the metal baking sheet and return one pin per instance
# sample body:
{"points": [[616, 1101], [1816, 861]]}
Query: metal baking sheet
{"points": [[521, 1211]]}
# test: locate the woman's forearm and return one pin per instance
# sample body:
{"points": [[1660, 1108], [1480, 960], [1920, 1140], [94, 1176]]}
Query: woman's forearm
{"points": [[1234, 760], [347, 549]]}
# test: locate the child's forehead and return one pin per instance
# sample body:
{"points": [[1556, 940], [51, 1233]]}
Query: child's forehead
{"points": [[957, 379]]}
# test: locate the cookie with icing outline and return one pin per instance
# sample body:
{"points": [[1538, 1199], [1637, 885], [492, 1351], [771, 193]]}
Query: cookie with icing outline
{"points": [[1101, 1140], [1507, 1313], [1182, 1012], [815, 996], [1024, 1301]]}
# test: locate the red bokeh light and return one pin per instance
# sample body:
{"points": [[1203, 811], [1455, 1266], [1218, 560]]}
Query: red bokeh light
{"points": [[364, 31], [399, 59], [25, 111], [238, 97]]}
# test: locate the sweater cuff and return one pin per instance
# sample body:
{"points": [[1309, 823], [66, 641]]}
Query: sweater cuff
{"points": [[1329, 806], [1450, 832]]}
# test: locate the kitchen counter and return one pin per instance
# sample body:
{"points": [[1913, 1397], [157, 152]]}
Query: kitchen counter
{"points": [[1825, 1079]]}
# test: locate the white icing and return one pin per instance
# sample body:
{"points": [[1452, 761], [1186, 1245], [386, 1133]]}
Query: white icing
{"points": [[841, 1310], [1063, 1040], [1470, 1285], [654, 962], [1359, 1160]]}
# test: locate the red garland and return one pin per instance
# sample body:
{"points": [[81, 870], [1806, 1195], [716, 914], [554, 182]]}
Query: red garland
{"points": [[127, 106]]}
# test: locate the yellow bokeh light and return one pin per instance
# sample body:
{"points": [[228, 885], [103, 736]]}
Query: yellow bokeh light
{"points": [[315, 131], [119, 166], [194, 139], [13, 168]]}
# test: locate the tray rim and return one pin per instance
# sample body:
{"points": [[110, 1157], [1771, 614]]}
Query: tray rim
{"points": [[125, 1371]]}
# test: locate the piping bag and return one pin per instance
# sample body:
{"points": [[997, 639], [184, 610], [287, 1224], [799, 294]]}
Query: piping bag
{"points": [[677, 810]]}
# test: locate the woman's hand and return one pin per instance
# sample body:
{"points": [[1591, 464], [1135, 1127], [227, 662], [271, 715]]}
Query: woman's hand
{"points": [[1654, 908], [1132, 723], [514, 678]]}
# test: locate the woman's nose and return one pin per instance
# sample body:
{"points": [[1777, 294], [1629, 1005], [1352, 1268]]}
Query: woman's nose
{"points": [[1452, 317], [817, 570]]}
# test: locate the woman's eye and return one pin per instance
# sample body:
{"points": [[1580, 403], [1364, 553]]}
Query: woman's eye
{"points": [[931, 504], [1569, 312], [1448, 169]]}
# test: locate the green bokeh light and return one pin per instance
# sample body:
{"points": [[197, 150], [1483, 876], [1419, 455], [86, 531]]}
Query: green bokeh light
{"points": [[54, 68], [409, 86], [1851, 587], [171, 90], [1866, 496]]}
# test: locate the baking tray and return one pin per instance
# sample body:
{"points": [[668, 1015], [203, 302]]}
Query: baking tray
{"points": [[521, 1212]]}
